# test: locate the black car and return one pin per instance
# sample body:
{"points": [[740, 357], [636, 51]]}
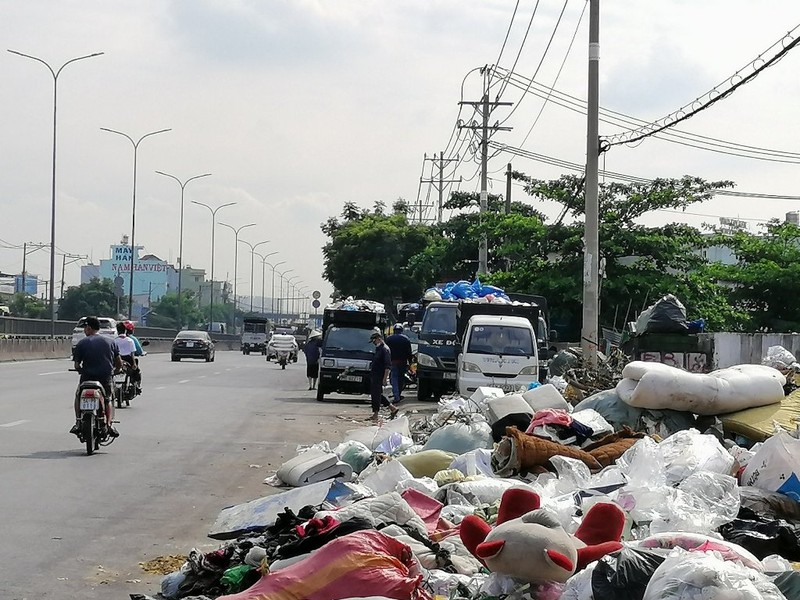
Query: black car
{"points": [[193, 344]]}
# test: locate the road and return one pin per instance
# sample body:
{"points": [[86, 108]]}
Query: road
{"points": [[201, 437]]}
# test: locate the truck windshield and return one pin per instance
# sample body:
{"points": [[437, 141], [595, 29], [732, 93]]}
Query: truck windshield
{"points": [[440, 319], [349, 338], [500, 339], [255, 327]]}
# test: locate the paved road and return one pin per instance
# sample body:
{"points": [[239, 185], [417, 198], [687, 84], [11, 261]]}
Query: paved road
{"points": [[201, 437]]}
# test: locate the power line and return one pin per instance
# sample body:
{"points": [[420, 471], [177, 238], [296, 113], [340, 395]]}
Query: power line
{"points": [[521, 46]]}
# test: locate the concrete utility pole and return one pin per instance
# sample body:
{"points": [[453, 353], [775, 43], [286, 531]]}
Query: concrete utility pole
{"points": [[72, 258], [591, 271], [441, 180], [484, 107], [508, 189]]}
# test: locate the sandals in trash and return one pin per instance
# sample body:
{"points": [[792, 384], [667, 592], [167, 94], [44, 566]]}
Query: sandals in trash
{"points": [[393, 412]]}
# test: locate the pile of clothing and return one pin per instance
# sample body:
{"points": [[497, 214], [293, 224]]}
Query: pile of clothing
{"points": [[415, 509]]}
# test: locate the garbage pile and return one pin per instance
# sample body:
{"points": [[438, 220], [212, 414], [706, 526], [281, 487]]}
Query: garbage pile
{"points": [[454, 291], [669, 486], [354, 304]]}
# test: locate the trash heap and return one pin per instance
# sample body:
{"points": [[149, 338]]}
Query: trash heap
{"points": [[669, 486], [353, 304], [464, 290]]}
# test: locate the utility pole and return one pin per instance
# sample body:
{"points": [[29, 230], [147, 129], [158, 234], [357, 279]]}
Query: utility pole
{"points": [[484, 107], [441, 180], [36, 246], [73, 258], [508, 189], [591, 270]]}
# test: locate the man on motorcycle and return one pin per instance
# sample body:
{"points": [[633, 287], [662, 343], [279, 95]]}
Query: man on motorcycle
{"points": [[137, 377], [96, 357], [126, 351]]}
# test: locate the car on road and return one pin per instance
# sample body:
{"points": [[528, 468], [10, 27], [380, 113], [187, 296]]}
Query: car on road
{"points": [[192, 344], [108, 326]]}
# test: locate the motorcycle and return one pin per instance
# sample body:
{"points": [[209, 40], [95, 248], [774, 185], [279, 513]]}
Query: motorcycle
{"points": [[124, 389], [93, 431], [283, 358], [283, 348]]}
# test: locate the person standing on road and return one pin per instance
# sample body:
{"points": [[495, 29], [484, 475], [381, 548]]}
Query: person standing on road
{"points": [[402, 355], [96, 357], [312, 350], [379, 377]]}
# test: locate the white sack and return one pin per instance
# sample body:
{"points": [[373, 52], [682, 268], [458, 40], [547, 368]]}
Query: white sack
{"points": [[658, 386]]}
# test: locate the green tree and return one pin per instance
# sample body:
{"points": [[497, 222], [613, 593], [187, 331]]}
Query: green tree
{"points": [[24, 305], [164, 311], [93, 298], [369, 252]]}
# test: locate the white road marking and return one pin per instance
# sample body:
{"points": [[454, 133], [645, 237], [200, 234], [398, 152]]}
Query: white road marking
{"points": [[53, 372], [217, 372], [184, 381], [161, 387], [14, 423], [203, 376]]}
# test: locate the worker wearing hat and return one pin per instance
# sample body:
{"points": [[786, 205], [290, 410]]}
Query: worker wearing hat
{"points": [[379, 377]]}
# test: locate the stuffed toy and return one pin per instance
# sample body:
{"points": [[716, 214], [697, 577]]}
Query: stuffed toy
{"points": [[529, 543]]}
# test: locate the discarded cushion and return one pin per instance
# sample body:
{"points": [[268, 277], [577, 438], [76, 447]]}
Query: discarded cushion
{"points": [[757, 424], [426, 463], [361, 564], [656, 385], [313, 466], [545, 396], [519, 452]]}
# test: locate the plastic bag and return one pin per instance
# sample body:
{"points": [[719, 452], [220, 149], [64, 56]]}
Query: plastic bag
{"points": [[701, 503], [762, 537], [374, 435], [459, 438], [395, 444], [689, 451], [666, 315], [355, 454], [779, 358], [761, 504], [775, 466], [624, 575], [384, 478], [702, 576]]}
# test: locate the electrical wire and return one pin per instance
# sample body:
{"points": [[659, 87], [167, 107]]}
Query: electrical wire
{"points": [[508, 32], [521, 46]]}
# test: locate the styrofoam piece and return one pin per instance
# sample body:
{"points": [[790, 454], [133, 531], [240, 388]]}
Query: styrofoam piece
{"points": [[497, 408], [484, 393], [545, 396]]}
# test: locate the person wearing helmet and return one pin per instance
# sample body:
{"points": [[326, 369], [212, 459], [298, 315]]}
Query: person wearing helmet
{"points": [[136, 375]]}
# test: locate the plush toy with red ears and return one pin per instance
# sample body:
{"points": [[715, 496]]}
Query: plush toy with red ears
{"points": [[529, 543]]}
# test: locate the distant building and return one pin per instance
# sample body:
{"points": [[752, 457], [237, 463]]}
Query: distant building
{"points": [[30, 285]]}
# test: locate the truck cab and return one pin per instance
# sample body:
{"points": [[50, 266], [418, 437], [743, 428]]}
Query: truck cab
{"points": [[437, 351], [497, 351], [254, 335], [346, 352]]}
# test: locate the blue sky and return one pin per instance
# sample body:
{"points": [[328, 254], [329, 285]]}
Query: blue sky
{"points": [[299, 106]]}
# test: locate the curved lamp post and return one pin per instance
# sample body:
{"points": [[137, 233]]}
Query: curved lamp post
{"points": [[236, 231], [272, 299], [55, 74], [280, 293], [180, 240], [264, 258], [213, 212], [133, 209], [290, 284], [252, 264]]}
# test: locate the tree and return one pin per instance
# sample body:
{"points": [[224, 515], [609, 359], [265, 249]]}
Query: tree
{"points": [[368, 253], [93, 298], [23, 305], [164, 312]]}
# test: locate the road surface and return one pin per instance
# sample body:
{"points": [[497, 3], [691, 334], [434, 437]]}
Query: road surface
{"points": [[201, 437]]}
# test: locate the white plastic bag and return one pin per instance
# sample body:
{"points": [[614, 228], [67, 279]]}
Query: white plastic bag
{"points": [[374, 435], [689, 451], [779, 358], [384, 478], [776, 466], [355, 454], [459, 438], [701, 503]]}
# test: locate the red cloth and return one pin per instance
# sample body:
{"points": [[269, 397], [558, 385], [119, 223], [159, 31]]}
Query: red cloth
{"points": [[549, 416], [427, 508], [316, 526]]}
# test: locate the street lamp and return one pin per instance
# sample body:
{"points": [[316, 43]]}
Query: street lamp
{"points": [[252, 254], [272, 299], [213, 212], [264, 258], [289, 299], [180, 240], [55, 75], [133, 211], [280, 293], [236, 231]]}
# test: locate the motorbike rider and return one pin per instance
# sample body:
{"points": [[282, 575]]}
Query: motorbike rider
{"points": [[136, 376], [126, 351], [96, 357]]}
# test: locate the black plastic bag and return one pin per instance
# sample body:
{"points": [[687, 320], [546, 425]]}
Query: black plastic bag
{"points": [[624, 575], [667, 315], [762, 537], [763, 505]]}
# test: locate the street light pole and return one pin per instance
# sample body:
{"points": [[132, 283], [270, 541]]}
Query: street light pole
{"points": [[272, 299], [133, 210], [236, 231], [290, 299], [252, 260], [213, 212], [264, 258], [55, 74], [280, 294], [180, 240]]}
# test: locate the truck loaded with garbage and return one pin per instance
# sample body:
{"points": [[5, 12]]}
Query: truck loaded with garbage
{"points": [[628, 479]]}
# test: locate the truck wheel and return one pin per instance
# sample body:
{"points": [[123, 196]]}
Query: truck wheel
{"points": [[423, 390]]}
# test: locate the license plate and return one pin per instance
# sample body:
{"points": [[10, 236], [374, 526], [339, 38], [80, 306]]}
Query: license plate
{"points": [[509, 388], [89, 403], [190, 344], [351, 378], [449, 375]]}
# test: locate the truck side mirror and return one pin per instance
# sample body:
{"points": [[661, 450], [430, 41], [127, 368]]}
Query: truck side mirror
{"points": [[553, 335]]}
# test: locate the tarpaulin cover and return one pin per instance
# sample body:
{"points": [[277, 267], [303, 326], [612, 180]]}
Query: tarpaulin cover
{"points": [[365, 563]]}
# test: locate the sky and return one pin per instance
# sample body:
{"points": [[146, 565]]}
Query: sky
{"points": [[298, 106]]}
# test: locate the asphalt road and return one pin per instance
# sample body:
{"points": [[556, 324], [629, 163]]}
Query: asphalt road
{"points": [[201, 437]]}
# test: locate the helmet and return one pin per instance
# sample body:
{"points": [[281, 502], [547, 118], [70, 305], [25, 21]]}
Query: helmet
{"points": [[128, 326], [398, 327]]}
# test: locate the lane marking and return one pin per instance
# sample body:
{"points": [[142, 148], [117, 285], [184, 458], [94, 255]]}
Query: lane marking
{"points": [[202, 376], [53, 372], [161, 387], [184, 381], [14, 423], [217, 372]]}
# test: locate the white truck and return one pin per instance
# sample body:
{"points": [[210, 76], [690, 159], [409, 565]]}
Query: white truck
{"points": [[498, 350]]}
